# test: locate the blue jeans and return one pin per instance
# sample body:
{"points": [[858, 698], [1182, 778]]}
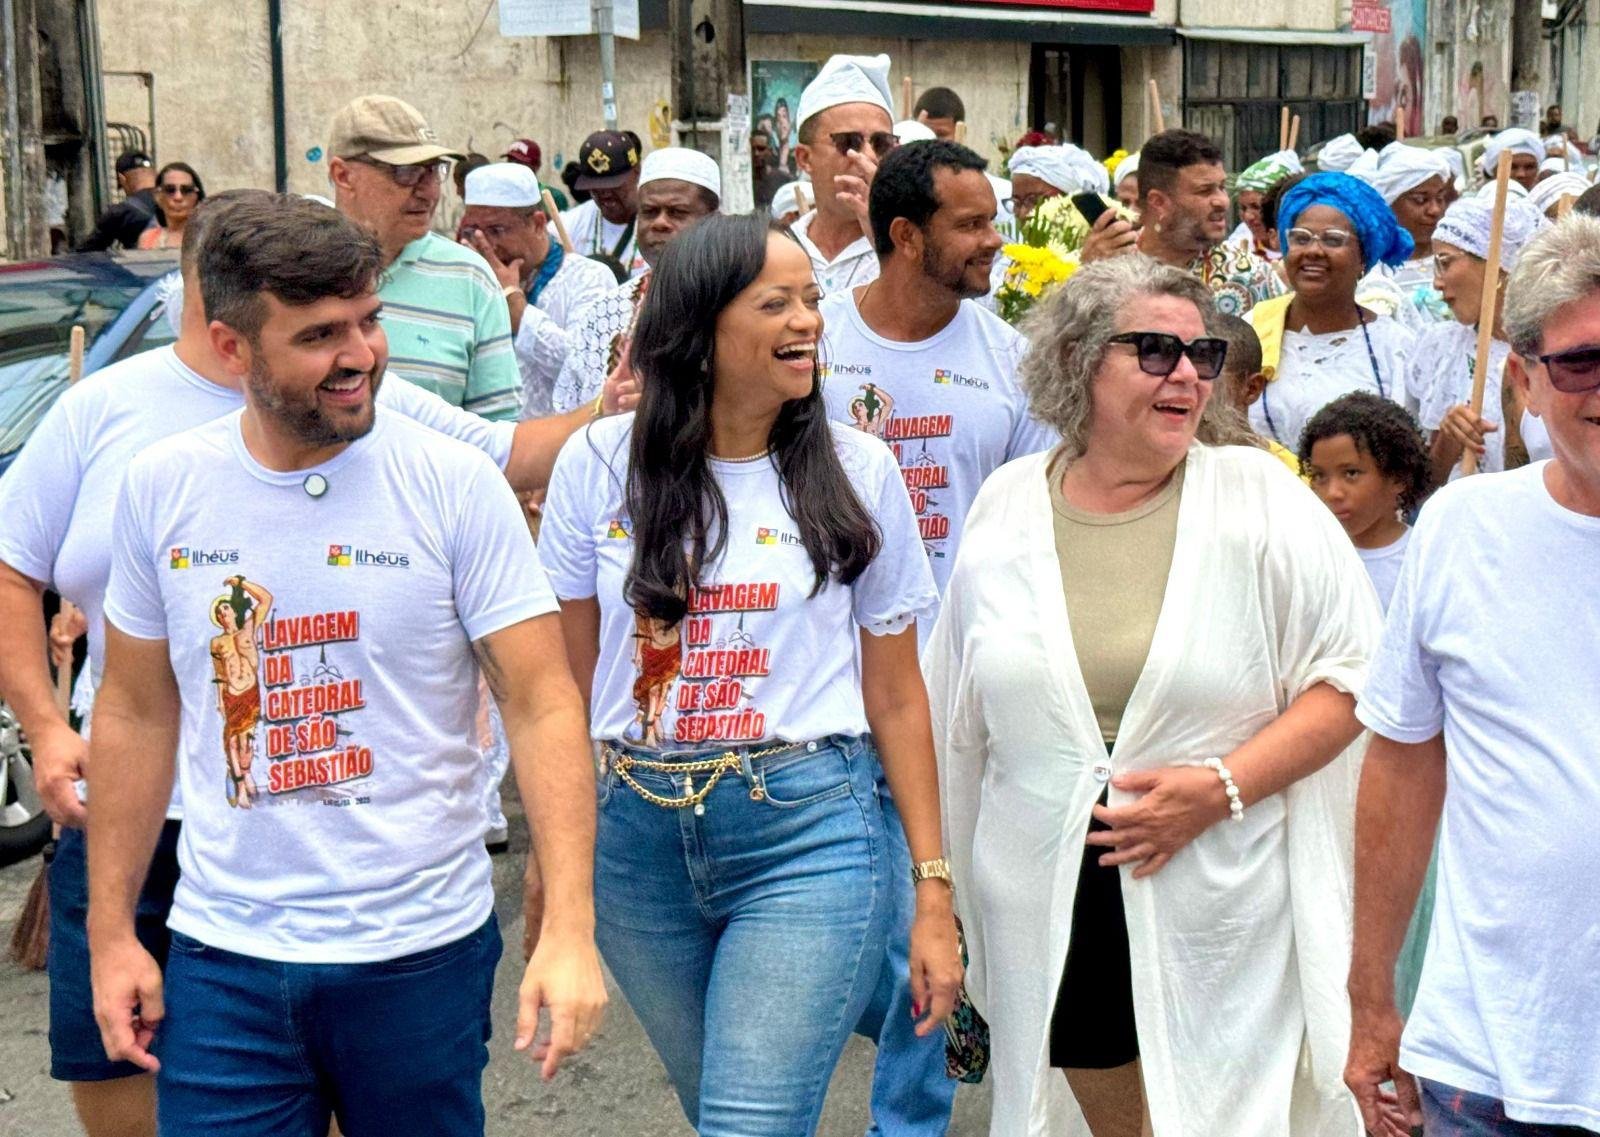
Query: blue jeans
{"points": [[76, 1052], [911, 1093], [251, 1047], [1449, 1112], [748, 935]]}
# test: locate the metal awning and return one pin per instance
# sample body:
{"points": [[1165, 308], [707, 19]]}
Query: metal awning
{"points": [[897, 19], [1280, 36]]}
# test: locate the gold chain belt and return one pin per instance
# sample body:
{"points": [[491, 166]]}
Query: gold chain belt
{"points": [[624, 763]]}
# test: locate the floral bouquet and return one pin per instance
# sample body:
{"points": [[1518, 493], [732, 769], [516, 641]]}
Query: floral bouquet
{"points": [[1045, 257]]}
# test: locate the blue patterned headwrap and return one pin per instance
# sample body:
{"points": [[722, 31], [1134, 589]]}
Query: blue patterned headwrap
{"points": [[1382, 239]]}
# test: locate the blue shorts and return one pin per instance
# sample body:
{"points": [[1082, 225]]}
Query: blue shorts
{"points": [[76, 1052], [255, 1048]]}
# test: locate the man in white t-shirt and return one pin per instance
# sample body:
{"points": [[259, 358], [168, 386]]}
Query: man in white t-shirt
{"points": [[58, 499], [606, 224], [910, 358], [846, 127], [1483, 710], [376, 567], [913, 358], [544, 285]]}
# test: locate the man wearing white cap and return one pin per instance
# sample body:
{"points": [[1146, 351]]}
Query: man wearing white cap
{"points": [[442, 310], [677, 188], [846, 128], [1526, 154], [544, 286]]}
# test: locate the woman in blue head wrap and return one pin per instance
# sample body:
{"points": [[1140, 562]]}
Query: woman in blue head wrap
{"points": [[1332, 228]]}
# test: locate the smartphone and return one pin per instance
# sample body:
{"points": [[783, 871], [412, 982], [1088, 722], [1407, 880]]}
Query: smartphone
{"points": [[1091, 205]]}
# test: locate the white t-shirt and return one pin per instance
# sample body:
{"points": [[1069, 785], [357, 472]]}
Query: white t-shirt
{"points": [[1491, 639], [1439, 376], [59, 495], [949, 407], [758, 658], [1536, 437], [1314, 370], [593, 235], [1383, 566], [856, 264], [343, 665]]}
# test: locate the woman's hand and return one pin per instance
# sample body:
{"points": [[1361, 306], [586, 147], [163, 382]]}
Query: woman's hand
{"points": [[1177, 804], [936, 970]]}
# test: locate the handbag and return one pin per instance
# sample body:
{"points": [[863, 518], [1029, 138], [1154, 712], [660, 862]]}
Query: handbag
{"points": [[966, 1034]]}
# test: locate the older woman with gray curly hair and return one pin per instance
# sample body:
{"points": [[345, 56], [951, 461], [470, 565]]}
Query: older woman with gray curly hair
{"points": [[1143, 688]]}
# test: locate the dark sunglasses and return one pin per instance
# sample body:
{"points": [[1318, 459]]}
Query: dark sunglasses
{"points": [[1573, 372], [180, 191], [408, 176], [1159, 352], [882, 141]]}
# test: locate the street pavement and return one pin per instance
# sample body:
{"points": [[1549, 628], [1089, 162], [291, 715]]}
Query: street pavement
{"points": [[617, 1088]]}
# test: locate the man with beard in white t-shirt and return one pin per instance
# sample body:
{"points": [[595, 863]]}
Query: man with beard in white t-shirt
{"points": [[58, 499], [1486, 729], [911, 358], [325, 961]]}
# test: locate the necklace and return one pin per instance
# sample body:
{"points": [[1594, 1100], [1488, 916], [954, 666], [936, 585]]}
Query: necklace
{"points": [[736, 461]]}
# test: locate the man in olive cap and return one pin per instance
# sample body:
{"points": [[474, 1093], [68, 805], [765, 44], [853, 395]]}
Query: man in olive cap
{"points": [[443, 310]]}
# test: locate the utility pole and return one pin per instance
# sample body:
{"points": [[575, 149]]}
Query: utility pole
{"points": [[1527, 63], [708, 66], [605, 28]]}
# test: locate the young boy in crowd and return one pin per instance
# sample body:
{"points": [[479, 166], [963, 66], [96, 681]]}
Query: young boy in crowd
{"points": [[1243, 379], [1365, 459]]}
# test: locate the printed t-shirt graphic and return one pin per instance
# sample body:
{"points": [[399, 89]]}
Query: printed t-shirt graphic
{"points": [[757, 656], [322, 649], [949, 408]]}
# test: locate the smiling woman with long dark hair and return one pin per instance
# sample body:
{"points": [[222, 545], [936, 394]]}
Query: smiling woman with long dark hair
{"points": [[723, 558]]}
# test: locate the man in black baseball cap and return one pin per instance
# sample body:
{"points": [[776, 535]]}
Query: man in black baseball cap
{"points": [[124, 221], [603, 226]]}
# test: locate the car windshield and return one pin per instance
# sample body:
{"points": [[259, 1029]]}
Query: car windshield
{"points": [[39, 304]]}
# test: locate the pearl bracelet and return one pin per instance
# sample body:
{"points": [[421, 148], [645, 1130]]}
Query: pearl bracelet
{"points": [[1235, 806]]}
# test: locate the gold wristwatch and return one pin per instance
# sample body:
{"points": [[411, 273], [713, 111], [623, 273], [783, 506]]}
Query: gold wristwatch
{"points": [[931, 870]]}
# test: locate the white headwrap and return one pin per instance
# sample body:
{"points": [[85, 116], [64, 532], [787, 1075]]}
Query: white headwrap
{"points": [[1126, 168], [1364, 167], [910, 130], [1466, 226], [1516, 140], [1269, 171], [682, 164], [1339, 153], [1556, 165], [1514, 188], [1067, 167], [847, 79], [1547, 193], [1458, 165], [509, 185], [1403, 168], [785, 200]]}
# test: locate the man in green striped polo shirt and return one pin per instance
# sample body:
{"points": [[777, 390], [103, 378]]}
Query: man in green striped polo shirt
{"points": [[446, 318]]}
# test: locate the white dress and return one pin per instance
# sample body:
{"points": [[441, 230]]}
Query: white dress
{"points": [[1313, 370], [1240, 945]]}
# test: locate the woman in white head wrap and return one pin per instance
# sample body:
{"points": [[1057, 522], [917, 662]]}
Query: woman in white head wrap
{"points": [[1526, 154], [1547, 195], [1414, 182], [1439, 377], [1125, 181], [1039, 173]]}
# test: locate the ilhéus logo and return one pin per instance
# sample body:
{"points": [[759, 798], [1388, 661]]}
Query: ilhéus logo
{"points": [[187, 556], [766, 536], [948, 378], [344, 556]]}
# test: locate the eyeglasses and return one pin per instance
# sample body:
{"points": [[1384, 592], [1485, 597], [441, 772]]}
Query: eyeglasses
{"points": [[882, 141], [408, 176], [1025, 204], [180, 191], [1159, 352], [1573, 372], [1329, 239]]}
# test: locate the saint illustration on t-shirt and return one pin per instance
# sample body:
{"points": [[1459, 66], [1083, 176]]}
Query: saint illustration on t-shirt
{"points": [[658, 656], [872, 409], [236, 659]]}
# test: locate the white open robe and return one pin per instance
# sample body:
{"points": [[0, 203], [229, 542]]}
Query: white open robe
{"points": [[1240, 945]]}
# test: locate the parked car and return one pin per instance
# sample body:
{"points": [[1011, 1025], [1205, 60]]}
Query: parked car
{"points": [[120, 301]]}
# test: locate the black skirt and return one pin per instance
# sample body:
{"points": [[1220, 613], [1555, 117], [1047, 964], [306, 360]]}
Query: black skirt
{"points": [[1092, 1027]]}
